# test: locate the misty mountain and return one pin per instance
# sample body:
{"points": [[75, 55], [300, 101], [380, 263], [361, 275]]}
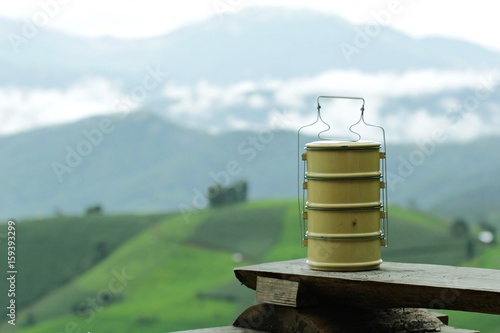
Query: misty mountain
{"points": [[231, 71], [141, 162], [253, 44]]}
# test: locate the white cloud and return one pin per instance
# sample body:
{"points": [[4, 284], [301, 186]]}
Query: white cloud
{"points": [[205, 98], [298, 97], [217, 107], [382, 85], [257, 101], [23, 108]]}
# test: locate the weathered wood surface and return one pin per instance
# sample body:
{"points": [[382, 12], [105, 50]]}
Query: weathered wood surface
{"points": [[225, 329], [283, 292], [394, 285], [275, 318]]}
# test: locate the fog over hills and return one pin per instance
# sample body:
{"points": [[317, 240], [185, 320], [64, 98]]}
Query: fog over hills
{"points": [[230, 73]]}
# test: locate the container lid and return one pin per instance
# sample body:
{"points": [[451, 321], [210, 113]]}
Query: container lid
{"points": [[337, 144]]}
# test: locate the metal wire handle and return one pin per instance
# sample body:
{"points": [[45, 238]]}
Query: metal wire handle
{"points": [[343, 97], [301, 201]]}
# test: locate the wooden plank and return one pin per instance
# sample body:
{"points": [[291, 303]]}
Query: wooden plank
{"points": [[394, 285], [225, 329], [276, 291], [283, 292], [275, 318]]}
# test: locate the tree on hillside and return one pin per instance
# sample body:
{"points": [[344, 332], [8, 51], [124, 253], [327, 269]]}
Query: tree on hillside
{"points": [[94, 210], [460, 228], [219, 195]]}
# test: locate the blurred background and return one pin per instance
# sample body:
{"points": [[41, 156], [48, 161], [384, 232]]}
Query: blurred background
{"points": [[149, 148]]}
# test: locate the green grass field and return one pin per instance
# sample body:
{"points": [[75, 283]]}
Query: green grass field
{"points": [[53, 251], [169, 274], [421, 238], [247, 229]]}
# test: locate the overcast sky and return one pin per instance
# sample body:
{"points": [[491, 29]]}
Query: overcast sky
{"points": [[23, 108], [476, 21]]}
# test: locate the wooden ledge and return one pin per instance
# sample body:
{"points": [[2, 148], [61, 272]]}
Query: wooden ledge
{"points": [[394, 285]]}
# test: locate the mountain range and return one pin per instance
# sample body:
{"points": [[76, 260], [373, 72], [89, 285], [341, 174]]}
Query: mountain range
{"points": [[254, 44], [141, 162]]}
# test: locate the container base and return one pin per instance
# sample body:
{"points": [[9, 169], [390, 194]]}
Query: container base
{"points": [[344, 267]]}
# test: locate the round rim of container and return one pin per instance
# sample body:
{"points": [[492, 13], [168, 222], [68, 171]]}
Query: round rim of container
{"points": [[365, 236], [343, 145], [346, 206], [345, 175], [355, 266], [348, 209], [378, 177]]}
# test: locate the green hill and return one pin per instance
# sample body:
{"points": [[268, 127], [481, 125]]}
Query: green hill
{"points": [[418, 237], [53, 251], [177, 274]]}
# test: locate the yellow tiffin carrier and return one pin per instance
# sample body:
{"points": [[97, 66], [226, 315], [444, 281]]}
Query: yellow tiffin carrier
{"points": [[343, 183]]}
